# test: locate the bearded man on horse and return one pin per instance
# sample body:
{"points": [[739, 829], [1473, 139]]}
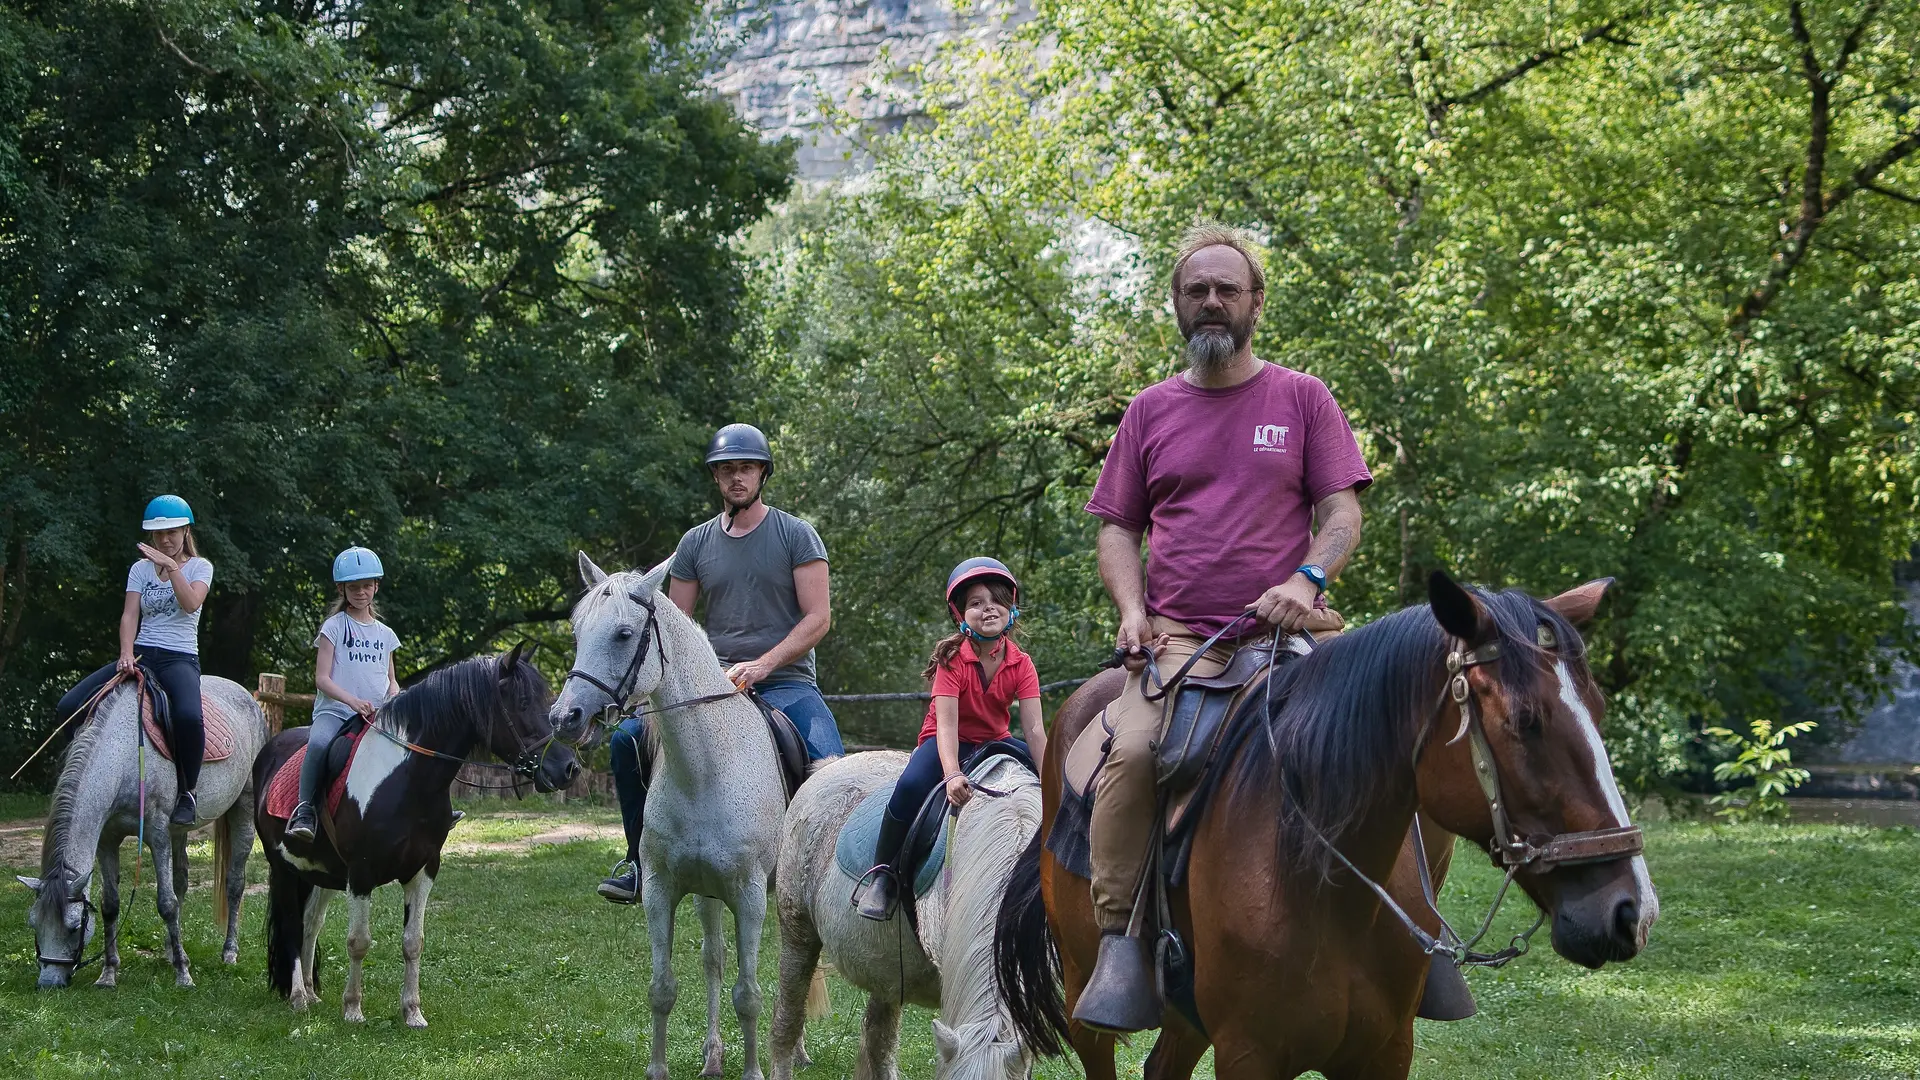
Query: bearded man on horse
{"points": [[1227, 468]]}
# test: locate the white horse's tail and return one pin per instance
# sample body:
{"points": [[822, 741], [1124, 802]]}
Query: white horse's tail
{"points": [[819, 1001]]}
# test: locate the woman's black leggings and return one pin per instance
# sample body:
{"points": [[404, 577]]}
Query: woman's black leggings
{"points": [[179, 675]]}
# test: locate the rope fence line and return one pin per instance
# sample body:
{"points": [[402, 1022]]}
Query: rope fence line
{"points": [[1045, 688]]}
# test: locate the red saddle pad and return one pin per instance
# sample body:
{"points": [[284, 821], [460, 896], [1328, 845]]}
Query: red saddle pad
{"points": [[219, 728], [283, 791]]}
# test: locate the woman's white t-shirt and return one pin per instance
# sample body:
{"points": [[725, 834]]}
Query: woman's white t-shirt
{"points": [[361, 652], [163, 625]]}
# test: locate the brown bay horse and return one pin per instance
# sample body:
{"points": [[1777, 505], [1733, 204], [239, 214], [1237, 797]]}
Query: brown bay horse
{"points": [[1298, 965]]}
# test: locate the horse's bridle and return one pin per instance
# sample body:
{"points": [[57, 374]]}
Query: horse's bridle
{"points": [[1508, 848], [86, 920], [621, 691], [526, 764]]}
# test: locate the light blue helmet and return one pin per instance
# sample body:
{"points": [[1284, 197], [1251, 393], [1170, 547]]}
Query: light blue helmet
{"points": [[356, 564], [166, 512]]}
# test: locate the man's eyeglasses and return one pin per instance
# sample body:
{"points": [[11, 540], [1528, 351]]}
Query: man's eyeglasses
{"points": [[1197, 292]]}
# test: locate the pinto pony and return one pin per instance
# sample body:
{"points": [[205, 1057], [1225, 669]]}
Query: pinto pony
{"points": [[394, 815], [1298, 963]]}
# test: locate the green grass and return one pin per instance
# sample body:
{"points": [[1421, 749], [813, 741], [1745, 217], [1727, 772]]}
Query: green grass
{"points": [[1781, 952]]}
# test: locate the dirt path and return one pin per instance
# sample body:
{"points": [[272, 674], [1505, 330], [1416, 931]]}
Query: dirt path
{"points": [[20, 840]]}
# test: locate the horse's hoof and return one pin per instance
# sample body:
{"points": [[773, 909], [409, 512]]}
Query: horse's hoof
{"points": [[230, 956], [183, 981], [109, 978], [713, 1065], [801, 1060], [415, 1020], [353, 1015]]}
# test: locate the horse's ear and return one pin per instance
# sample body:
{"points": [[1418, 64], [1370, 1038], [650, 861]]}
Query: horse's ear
{"points": [[1578, 604], [590, 575], [30, 882], [1458, 611], [656, 578], [512, 660]]}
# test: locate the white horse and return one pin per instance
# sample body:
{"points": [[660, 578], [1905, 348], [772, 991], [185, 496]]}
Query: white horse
{"points": [[949, 965], [716, 796], [97, 804]]}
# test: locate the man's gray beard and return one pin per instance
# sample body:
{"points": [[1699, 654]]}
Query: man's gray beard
{"points": [[1210, 350]]}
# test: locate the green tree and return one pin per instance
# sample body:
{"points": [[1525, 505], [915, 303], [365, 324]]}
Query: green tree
{"points": [[454, 281], [1606, 289]]}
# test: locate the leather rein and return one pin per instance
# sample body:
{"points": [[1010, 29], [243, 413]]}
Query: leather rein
{"points": [[621, 691], [1508, 848]]}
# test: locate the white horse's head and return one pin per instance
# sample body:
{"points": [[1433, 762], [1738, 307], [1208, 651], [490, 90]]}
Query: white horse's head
{"points": [[62, 921], [619, 648]]}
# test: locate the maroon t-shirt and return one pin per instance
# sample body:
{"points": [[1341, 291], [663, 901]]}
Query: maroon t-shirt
{"points": [[1224, 482]]}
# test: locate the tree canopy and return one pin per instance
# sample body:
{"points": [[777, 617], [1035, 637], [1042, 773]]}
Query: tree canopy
{"points": [[453, 281], [1606, 289]]}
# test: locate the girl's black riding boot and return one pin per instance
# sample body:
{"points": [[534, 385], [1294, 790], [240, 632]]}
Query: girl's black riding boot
{"points": [[883, 885]]}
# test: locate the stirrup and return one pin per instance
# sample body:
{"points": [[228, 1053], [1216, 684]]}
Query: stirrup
{"points": [[877, 893], [1122, 995], [304, 820], [186, 812]]}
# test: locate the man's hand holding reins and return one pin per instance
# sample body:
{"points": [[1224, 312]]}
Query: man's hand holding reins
{"points": [[1137, 639], [1287, 604], [747, 673]]}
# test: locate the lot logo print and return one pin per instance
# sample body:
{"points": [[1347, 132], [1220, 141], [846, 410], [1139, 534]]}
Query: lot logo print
{"points": [[1269, 439]]}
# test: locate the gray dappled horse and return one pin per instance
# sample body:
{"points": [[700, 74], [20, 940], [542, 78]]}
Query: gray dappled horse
{"points": [[96, 805], [716, 798], [945, 963]]}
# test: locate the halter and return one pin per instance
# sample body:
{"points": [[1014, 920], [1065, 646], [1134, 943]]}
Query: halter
{"points": [[526, 763], [1508, 848], [619, 692], [86, 922]]}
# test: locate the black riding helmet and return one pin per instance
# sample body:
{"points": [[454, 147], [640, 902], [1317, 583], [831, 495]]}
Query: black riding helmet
{"points": [[740, 442]]}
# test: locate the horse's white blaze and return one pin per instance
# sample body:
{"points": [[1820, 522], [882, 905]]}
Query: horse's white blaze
{"points": [[1648, 900], [378, 758]]}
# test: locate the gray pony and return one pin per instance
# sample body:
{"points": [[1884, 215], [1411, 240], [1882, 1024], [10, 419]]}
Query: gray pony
{"points": [[96, 805]]}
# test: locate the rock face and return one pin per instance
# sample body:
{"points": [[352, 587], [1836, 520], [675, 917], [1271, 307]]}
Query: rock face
{"points": [[1891, 732], [853, 55]]}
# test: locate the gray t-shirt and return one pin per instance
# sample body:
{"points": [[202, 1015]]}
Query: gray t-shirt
{"points": [[748, 584], [362, 654], [163, 625]]}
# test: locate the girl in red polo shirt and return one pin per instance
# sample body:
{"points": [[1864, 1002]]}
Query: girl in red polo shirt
{"points": [[977, 673]]}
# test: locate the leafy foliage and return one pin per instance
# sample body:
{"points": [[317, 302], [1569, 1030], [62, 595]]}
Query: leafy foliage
{"points": [[1762, 758], [453, 281], [1606, 289]]}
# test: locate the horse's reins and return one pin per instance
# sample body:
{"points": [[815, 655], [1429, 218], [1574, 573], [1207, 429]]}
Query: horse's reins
{"points": [[621, 691], [1507, 847]]}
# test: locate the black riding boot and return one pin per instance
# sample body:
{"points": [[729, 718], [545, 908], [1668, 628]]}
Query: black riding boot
{"points": [[304, 821], [883, 886], [185, 811]]}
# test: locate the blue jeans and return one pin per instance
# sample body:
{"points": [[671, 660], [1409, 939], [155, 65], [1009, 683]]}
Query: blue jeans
{"points": [[800, 701]]}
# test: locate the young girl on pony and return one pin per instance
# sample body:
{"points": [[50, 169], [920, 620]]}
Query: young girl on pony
{"points": [[352, 674], [160, 631], [977, 673]]}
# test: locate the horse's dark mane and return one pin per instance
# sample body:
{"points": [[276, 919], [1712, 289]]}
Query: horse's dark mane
{"points": [[460, 701], [1339, 744]]}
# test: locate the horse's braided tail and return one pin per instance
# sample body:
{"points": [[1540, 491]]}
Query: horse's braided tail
{"points": [[1026, 965], [287, 895]]}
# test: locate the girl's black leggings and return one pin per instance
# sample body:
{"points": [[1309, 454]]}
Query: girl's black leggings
{"points": [[179, 675]]}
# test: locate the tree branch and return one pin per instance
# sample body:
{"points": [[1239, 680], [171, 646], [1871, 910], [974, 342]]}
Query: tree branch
{"points": [[1603, 32], [1890, 193]]}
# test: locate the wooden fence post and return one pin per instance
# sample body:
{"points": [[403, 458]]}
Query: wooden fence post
{"points": [[272, 687]]}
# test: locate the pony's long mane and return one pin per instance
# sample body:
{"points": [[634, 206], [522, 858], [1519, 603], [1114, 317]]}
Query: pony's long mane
{"points": [[1337, 741], [461, 700], [66, 789]]}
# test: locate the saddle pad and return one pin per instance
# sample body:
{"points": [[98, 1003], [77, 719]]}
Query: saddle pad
{"points": [[217, 723], [283, 791], [854, 849]]}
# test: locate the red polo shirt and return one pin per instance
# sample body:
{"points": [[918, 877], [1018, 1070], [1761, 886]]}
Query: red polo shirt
{"points": [[985, 707]]}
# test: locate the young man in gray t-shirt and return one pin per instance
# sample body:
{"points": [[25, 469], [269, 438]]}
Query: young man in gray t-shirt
{"points": [[764, 573]]}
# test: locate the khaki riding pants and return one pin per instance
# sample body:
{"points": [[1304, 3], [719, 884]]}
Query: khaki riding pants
{"points": [[1124, 787]]}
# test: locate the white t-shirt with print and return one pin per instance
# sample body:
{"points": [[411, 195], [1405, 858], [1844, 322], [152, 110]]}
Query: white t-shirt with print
{"points": [[163, 625], [361, 652]]}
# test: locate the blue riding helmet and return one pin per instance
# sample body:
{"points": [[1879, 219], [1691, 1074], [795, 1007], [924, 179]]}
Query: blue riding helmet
{"points": [[356, 564], [981, 568], [166, 512]]}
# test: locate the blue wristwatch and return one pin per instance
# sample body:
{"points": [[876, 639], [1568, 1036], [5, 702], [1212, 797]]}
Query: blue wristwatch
{"points": [[1315, 574]]}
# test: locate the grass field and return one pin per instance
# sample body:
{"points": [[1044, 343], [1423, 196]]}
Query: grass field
{"points": [[1781, 952]]}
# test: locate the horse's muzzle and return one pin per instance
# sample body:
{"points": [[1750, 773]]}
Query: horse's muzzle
{"points": [[558, 770], [55, 977]]}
